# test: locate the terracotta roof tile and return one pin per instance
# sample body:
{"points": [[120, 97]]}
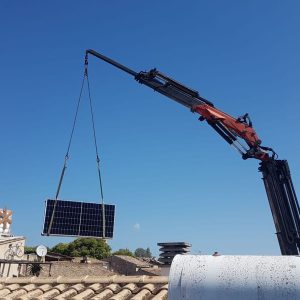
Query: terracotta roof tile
{"points": [[162, 294], [38, 291], [88, 287], [144, 292], [8, 289], [90, 291], [54, 291]]}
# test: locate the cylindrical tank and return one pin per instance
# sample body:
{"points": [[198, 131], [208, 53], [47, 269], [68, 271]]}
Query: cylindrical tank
{"points": [[222, 277]]}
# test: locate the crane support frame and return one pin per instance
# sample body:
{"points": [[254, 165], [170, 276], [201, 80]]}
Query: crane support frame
{"points": [[283, 203]]}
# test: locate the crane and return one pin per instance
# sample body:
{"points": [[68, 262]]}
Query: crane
{"points": [[239, 133]]}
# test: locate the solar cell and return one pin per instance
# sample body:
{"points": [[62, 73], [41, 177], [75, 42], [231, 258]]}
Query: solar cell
{"points": [[73, 218]]}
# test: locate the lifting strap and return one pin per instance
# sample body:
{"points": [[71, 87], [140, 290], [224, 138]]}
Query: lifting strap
{"points": [[96, 146], [85, 78]]}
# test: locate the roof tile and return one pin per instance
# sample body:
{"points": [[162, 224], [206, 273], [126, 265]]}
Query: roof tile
{"points": [[125, 292], [145, 291], [8, 289], [55, 291], [36, 292], [71, 292], [85, 288]]}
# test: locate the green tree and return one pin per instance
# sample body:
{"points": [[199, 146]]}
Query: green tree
{"points": [[29, 249], [123, 252], [35, 269], [148, 252], [61, 248], [91, 247], [141, 252]]}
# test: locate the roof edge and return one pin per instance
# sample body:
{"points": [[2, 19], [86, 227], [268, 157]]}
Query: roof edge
{"points": [[86, 279]]}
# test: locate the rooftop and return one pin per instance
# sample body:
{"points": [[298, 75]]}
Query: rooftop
{"points": [[138, 262], [88, 287], [9, 239]]}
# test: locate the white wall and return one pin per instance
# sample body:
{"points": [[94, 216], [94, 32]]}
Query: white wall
{"points": [[8, 247]]}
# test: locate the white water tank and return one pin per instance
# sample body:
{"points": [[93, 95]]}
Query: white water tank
{"points": [[222, 277]]}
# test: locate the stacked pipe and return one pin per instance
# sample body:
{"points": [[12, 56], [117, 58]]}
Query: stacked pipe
{"points": [[169, 250]]}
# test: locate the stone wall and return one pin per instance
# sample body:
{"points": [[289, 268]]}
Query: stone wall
{"points": [[128, 265], [76, 269]]}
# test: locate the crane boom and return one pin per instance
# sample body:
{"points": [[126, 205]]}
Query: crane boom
{"points": [[232, 130], [239, 133]]}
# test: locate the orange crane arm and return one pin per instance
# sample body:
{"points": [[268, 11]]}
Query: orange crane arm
{"points": [[237, 127]]}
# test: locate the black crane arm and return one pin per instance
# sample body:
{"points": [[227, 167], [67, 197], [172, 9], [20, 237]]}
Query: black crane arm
{"points": [[160, 83]]}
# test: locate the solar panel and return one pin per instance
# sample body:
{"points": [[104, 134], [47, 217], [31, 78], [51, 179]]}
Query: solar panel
{"points": [[78, 219]]}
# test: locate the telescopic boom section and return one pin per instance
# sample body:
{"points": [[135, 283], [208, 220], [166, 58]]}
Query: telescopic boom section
{"points": [[228, 127]]}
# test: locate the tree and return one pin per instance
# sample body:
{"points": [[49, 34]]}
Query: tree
{"points": [[91, 247], [148, 252], [123, 252], [35, 269], [140, 252], [29, 249], [61, 248]]}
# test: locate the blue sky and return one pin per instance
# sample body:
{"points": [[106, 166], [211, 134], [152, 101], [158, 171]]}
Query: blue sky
{"points": [[171, 177]]}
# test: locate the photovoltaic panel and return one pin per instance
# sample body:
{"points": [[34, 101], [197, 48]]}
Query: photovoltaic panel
{"points": [[73, 218]]}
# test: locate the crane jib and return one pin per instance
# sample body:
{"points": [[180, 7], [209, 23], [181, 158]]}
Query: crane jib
{"points": [[112, 62], [160, 83]]}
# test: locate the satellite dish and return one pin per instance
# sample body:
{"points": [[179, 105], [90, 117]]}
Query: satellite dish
{"points": [[41, 250]]}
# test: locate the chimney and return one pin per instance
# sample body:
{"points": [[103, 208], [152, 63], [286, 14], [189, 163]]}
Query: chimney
{"points": [[169, 250]]}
